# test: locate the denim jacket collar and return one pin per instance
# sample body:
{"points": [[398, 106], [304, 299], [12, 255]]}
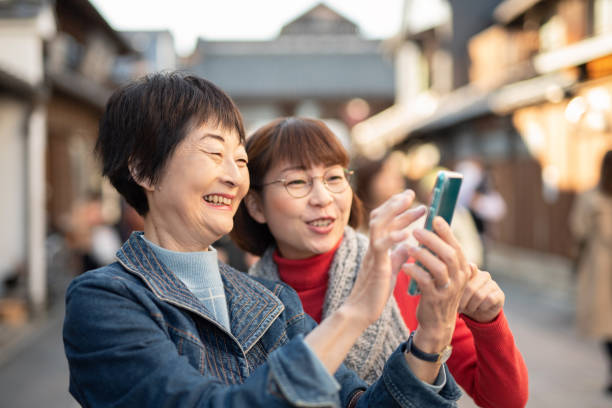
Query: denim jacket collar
{"points": [[260, 303]]}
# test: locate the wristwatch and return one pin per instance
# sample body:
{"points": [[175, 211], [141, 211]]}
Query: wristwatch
{"points": [[440, 357]]}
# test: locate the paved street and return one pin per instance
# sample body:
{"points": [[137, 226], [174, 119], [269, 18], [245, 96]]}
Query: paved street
{"points": [[36, 373], [565, 370]]}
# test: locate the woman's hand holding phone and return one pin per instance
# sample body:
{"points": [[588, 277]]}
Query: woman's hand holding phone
{"points": [[443, 282]]}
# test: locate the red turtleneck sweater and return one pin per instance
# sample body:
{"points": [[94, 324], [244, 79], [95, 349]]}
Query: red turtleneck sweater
{"points": [[485, 360], [309, 279]]}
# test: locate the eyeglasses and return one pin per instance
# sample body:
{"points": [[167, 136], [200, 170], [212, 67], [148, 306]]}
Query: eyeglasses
{"points": [[299, 184]]}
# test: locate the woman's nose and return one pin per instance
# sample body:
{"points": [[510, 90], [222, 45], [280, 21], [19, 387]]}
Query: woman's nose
{"points": [[232, 174], [320, 195]]}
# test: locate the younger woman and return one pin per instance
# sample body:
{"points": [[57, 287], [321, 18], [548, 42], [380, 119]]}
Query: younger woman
{"points": [[300, 217]]}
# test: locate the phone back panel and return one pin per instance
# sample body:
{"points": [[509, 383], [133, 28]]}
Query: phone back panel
{"points": [[443, 202], [448, 201]]}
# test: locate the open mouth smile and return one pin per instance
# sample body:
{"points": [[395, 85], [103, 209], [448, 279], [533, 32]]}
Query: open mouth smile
{"points": [[216, 199], [321, 222]]}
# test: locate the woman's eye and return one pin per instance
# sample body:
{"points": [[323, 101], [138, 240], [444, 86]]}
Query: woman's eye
{"points": [[334, 179], [213, 153], [296, 182], [242, 162]]}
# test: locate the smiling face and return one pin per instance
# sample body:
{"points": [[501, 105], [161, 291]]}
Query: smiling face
{"points": [[307, 226], [201, 186]]}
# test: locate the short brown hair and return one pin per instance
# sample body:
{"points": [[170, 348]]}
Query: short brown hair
{"points": [[301, 141]]}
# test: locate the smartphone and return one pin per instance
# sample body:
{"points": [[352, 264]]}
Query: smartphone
{"points": [[443, 201]]}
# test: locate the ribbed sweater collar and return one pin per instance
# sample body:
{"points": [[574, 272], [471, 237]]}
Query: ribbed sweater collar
{"points": [[195, 269], [308, 273]]}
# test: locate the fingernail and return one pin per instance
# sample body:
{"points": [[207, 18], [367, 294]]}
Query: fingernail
{"points": [[438, 221]]}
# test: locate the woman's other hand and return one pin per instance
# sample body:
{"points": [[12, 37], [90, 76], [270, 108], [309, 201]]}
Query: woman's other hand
{"points": [[376, 279], [334, 337], [482, 298]]}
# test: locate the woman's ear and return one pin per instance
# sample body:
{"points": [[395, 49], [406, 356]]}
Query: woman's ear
{"points": [[253, 204], [141, 181]]}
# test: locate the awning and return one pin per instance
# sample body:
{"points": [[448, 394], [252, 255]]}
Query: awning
{"points": [[80, 87], [390, 127], [466, 104], [511, 9], [374, 136], [18, 86], [574, 54]]}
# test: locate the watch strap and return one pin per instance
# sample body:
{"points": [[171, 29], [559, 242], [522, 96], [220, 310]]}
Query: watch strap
{"points": [[440, 357]]}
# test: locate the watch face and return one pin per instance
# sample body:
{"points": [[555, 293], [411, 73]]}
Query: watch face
{"points": [[445, 354]]}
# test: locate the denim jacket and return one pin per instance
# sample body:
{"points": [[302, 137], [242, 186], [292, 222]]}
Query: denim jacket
{"points": [[135, 336]]}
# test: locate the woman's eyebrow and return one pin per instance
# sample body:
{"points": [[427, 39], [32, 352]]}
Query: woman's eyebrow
{"points": [[291, 168], [213, 136]]}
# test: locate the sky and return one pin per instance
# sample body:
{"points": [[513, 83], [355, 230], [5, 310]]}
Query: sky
{"points": [[240, 19]]}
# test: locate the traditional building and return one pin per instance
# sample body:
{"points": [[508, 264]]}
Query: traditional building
{"points": [[56, 58], [535, 109], [25, 27], [155, 52], [317, 65]]}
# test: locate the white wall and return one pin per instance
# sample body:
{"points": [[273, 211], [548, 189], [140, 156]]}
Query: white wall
{"points": [[21, 45], [12, 185]]}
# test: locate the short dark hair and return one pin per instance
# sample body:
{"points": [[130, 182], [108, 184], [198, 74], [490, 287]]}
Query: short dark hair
{"points": [[146, 119], [301, 141]]}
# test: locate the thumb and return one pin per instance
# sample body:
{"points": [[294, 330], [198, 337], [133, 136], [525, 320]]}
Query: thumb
{"points": [[399, 256], [473, 270]]}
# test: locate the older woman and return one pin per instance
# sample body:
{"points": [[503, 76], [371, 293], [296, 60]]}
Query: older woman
{"points": [[297, 217], [167, 325]]}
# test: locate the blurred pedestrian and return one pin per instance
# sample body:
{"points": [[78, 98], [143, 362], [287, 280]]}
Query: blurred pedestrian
{"points": [[92, 239], [229, 253], [377, 180], [479, 195], [300, 216], [591, 225], [168, 325]]}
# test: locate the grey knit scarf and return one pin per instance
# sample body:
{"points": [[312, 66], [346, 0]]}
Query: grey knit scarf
{"points": [[368, 355]]}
